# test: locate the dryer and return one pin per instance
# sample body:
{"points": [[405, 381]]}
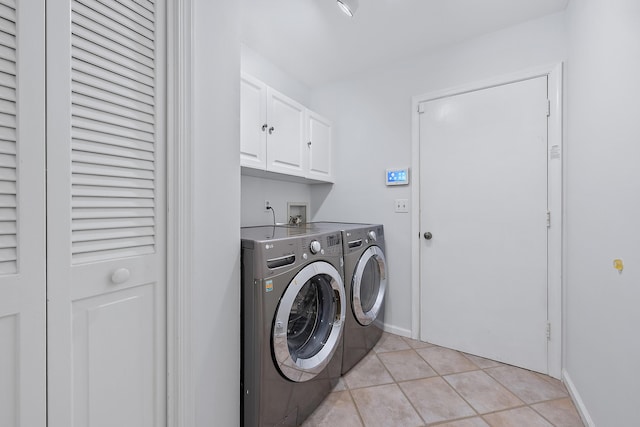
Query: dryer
{"points": [[293, 317], [365, 269], [365, 272]]}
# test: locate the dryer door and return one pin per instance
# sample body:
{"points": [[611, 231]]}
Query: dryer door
{"points": [[309, 321], [369, 285]]}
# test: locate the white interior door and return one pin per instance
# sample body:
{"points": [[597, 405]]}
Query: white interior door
{"points": [[106, 213], [483, 196], [22, 211]]}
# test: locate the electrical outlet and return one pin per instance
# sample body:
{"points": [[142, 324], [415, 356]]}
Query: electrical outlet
{"points": [[267, 205], [402, 205]]}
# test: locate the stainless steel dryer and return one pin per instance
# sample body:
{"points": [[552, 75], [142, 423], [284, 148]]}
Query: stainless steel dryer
{"points": [[365, 269], [365, 272], [293, 317]]}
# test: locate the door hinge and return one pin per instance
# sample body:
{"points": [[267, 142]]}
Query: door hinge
{"points": [[548, 107], [548, 331], [420, 108], [548, 219]]}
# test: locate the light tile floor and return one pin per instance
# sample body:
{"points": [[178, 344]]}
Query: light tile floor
{"points": [[403, 382]]}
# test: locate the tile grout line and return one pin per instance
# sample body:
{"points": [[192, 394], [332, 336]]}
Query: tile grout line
{"points": [[397, 384], [355, 405], [551, 381], [453, 388]]}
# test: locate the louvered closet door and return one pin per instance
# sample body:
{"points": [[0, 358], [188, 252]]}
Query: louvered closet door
{"points": [[22, 210], [106, 213]]}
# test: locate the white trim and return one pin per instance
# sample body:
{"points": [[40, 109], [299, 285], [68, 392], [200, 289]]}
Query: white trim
{"points": [[397, 331], [554, 73], [555, 234], [577, 400], [180, 390]]}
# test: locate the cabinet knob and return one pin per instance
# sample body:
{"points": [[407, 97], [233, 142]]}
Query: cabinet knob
{"points": [[309, 144], [271, 129], [264, 127]]}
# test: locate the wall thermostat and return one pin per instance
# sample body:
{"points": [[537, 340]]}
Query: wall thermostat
{"points": [[398, 176]]}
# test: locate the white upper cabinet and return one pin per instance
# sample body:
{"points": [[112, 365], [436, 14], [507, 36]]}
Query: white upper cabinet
{"points": [[280, 135], [285, 134], [319, 147], [253, 123]]}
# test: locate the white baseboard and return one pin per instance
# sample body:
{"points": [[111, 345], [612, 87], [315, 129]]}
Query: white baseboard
{"points": [[397, 331], [577, 400]]}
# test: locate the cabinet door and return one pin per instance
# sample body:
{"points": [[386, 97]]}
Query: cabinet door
{"points": [[22, 211], [319, 147], [253, 122], [285, 135], [106, 213]]}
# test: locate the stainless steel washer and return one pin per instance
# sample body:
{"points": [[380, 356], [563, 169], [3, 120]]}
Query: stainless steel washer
{"points": [[293, 316]]}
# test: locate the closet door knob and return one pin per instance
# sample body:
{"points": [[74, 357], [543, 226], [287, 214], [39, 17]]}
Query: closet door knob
{"points": [[264, 127], [428, 235], [271, 129], [121, 275]]}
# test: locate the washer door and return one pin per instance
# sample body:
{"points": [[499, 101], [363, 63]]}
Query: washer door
{"points": [[369, 285], [309, 321]]}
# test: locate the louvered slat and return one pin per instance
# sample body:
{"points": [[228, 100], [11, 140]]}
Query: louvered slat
{"points": [[113, 130], [112, 223], [80, 135], [80, 89], [147, 4], [92, 235], [129, 161], [111, 202], [8, 200], [110, 17], [8, 140], [123, 37], [8, 228], [104, 170], [84, 191], [94, 76]]}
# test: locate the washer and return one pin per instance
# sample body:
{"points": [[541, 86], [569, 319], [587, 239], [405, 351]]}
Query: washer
{"points": [[293, 317], [365, 272]]}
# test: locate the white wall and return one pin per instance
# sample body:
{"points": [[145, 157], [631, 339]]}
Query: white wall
{"points": [[372, 117], [603, 209], [263, 69], [216, 223], [256, 190]]}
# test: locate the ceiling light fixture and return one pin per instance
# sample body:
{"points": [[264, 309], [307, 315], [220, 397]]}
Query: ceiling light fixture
{"points": [[348, 6]]}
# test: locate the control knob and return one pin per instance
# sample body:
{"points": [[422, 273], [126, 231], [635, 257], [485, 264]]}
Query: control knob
{"points": [[372, 235], [315, 247]]}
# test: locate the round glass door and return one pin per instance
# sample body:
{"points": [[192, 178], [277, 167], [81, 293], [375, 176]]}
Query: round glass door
{"points": [[369, 285], [309, 321]]}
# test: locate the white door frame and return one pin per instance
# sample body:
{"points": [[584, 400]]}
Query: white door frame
{"points": [[180, 386], [555, 187]]}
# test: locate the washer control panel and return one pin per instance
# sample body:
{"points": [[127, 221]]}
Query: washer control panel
{"points": [[315, 247]]}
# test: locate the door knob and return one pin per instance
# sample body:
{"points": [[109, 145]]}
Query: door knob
{"points": [[428, 235], [271, 129], [121, 275]]}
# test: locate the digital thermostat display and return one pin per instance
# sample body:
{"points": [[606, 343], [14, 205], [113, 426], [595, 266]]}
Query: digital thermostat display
{"points": [[398, 176]]}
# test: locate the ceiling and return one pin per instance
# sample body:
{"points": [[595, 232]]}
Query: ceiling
{"points": [[314, 42]]}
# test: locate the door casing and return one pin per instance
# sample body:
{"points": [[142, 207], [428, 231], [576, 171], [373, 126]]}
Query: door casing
{"points": [[555, 191]]}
